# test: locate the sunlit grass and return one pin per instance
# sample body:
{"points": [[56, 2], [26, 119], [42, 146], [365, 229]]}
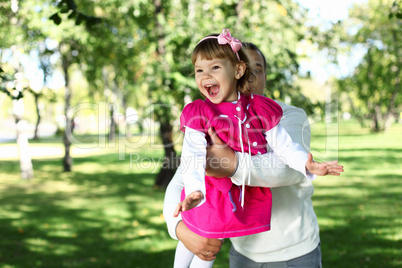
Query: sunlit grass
{"points": [[359, 213], [106, 212], [98, 215]]}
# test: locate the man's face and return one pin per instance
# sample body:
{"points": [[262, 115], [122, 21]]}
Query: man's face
{"points": [[257, 63]]}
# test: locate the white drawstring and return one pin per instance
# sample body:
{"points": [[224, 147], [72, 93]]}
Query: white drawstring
{"points": [[249, 149], [242, 190], [248, 158], [242, 150]]}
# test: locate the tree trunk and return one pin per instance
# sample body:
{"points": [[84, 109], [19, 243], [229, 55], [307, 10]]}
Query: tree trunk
{"points": [[115, 99], [127, 130], [376, 124], [170, 161], [389, 115], [359, 118], [26, 167], [36, 96], [166, 130], [112, 125], [67, 160], [376, 111]]}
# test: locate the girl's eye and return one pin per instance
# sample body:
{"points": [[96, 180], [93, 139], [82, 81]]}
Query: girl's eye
{"points": [[198, 71], [215, 67]]}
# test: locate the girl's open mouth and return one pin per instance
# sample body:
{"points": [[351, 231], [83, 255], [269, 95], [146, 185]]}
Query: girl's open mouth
{"points": [[212, 90]]}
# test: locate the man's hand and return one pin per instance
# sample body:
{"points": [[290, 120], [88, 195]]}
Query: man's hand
{"points": [[191, 201], [198, 245], [324, 168], [221, 159]]}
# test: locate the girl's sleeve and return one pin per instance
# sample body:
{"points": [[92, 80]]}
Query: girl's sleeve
{"points": [[269, 113], [289, 152], [195, 116], [173, 193], [193, 159], [194, 123]]}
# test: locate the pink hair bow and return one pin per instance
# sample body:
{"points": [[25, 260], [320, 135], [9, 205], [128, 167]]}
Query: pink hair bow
{"points": [[225, 38]]}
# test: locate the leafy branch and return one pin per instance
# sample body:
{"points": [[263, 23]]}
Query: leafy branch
{"points": [[14, 94], [69, 6]]}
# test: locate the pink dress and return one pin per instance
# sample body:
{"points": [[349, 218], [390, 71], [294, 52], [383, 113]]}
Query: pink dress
{"points": [[221, 216]]}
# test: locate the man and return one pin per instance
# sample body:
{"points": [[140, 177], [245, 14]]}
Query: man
{"points": [[293, 240]]}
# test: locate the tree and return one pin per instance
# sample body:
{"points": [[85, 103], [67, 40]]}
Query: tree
{"points": [[14, 87], [374, 88], [139, 51], [71, 41], [163, 109], [42, 92], [31, 31], [15, 91]]}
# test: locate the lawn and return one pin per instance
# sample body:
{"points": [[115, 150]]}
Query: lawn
{"points": [[106, 212]]}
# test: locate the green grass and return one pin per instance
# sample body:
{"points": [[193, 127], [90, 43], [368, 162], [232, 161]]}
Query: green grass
{"points": [[359, 212], [106, 213]]}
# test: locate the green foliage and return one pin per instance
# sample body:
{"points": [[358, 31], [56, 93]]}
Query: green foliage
{"points": [[141, 51], [396, 10], [12, 92], [374, 87], [69, 6]]}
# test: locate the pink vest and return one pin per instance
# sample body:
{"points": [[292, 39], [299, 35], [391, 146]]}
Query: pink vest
{"points": [[222, 216]]}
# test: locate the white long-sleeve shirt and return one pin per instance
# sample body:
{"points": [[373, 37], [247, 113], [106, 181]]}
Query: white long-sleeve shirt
{"points": [[294, 227]]}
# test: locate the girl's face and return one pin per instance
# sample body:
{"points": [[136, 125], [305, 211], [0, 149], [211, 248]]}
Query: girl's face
{"points": [[217, 78]]}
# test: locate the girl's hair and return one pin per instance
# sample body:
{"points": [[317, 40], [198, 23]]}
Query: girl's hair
{"points": [[210, 49]]}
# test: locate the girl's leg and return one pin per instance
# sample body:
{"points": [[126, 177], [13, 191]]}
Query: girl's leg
{"points": [[198, 263], [183, 256]]}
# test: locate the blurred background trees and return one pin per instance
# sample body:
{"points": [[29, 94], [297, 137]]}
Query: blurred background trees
{"points": [[374, 87], [134, 57]]}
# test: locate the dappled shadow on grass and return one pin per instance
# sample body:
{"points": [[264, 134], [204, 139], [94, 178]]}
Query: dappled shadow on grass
{"points": [[386, 176], [361, 242], [128, 159], [360, 222], [107, 214], [369, 158], [79, 244], [50, 235], [9, 167], [374, 150], [355, 135], [86, 248], [359, 212], [83, 218]]}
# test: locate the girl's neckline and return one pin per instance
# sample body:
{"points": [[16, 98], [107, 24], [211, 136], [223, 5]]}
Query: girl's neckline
{"points": [[232, 102]]}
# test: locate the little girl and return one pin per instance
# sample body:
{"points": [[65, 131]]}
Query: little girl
{"points": [[216, 208]]}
